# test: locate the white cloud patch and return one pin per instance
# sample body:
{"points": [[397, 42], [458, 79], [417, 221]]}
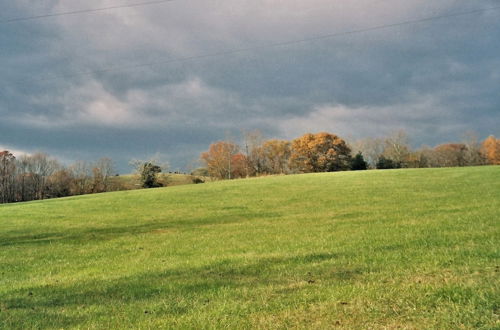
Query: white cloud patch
{"points": [[91, 104], [16, 152], [416, 116]]}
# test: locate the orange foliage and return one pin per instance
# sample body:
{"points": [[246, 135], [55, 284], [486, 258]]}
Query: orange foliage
{"points": [[219, 159], [239, 166], [491, 150], [322, 152], [451, 154]]}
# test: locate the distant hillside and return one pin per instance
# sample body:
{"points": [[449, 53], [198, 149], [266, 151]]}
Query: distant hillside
{"points": [[372, 249], [131, 181]]}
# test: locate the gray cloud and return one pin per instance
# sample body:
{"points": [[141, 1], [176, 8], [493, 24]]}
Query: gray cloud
{"points": [[434, 79]]}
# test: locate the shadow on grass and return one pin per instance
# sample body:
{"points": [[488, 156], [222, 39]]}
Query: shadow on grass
{"points": [[181, 290], [76, 236]]}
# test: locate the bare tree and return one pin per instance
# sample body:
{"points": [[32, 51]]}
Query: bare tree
{"points": [[254, 152], [82, 177], [102, 170], [473, 155], [371, 149], [425, 156], [276, 156], [26, 181], [7, 177], [39, 167], [59, 184], [397, 148]]}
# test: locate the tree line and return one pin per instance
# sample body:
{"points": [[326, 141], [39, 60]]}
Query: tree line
{"points": [[39, 176], [327, 152]]}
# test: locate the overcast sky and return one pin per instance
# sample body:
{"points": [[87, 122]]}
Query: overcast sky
{"points": [[74, 86]]}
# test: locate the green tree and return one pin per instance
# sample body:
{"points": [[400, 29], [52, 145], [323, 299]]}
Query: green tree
{"points": [[149, 175], [359, 163], [387, 163], [150, 172]]}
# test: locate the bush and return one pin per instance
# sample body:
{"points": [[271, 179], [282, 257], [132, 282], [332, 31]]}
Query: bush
{"points": [[386, 163], [197, 180], [149, 175], [358, 163]]}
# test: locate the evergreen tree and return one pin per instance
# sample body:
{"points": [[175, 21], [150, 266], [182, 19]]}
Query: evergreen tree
{"points": [[359, 163]]}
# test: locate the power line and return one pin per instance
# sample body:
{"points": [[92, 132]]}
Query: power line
{"points": [[273, 45], [83, 11]]}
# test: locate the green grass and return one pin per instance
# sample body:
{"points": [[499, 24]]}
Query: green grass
{"points": [[373, 249]]}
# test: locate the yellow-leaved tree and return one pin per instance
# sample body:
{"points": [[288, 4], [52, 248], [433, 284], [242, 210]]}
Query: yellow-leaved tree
{"points": [[491, 150], [321, 152]]}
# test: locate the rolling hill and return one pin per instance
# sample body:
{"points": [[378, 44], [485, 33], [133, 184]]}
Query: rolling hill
{"points": [[132, 181], [414, 248]]}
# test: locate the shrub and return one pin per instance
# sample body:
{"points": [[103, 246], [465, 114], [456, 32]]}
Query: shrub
{"points": [[386, 163], [197, 180], [149, 175], [358, 163]]}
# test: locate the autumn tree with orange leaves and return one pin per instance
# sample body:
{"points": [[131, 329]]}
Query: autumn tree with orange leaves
{"points": [[239, 166], [450, 155], [322, 152], [491, 150], [223, 160]]}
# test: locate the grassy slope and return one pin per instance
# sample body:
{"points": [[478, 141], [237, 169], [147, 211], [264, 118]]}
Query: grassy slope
{"points": [[131, 181], [413, 248]]}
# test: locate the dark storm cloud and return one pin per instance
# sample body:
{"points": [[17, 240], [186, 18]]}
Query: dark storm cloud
{"points": [[435, 79]]}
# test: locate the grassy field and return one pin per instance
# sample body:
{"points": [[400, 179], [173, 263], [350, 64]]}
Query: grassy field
{"points": [[132, 181], [373, 249]]}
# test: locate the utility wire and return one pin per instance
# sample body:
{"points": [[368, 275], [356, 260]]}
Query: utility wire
{"points": [[83, 11], [274, 45]]}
